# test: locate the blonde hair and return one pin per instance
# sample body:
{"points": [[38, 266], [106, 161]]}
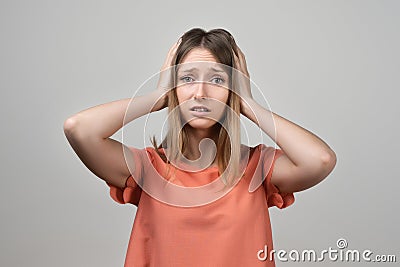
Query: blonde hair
{"points": [[221, 44]]}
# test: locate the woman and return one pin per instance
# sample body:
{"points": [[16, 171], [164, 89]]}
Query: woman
{"points": [[229, 229]]}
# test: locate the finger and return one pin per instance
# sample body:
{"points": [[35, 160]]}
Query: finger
{"points": [[173, 49], [240, 51], [242, 59], [239, 63], [176, 45], [234, 48], [171, 54], [240, 54], [236, 59]]}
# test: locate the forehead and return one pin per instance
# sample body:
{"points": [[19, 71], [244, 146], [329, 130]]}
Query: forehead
{"points": [[199, 54], [201, 59], [196, 67]]}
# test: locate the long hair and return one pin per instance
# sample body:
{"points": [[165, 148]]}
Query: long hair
{"points": [[221, 44]]}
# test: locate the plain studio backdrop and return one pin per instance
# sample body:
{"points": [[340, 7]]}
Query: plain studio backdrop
{"points": [[330, 66]]}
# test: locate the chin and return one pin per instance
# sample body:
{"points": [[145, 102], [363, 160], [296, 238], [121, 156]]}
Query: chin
{"points": [[202, 124]]}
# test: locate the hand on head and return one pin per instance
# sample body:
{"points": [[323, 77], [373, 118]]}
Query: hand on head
{"points": [[241, 78], [166, 79]]}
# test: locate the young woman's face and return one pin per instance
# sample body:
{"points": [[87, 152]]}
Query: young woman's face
{"points": [[202, 89]]}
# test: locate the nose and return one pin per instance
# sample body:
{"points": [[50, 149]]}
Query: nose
{"points": [[200, 90]]}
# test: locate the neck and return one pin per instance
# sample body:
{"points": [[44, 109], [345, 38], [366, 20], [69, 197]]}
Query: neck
{"points": [[195, 136]]}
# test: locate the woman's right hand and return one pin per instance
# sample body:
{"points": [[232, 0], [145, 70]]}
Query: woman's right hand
{"points": [[166, 78]]}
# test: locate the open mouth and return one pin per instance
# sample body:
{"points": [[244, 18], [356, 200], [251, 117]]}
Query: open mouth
{"points": [[200, 109]]}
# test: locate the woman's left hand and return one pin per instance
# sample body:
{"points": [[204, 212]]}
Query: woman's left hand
{"points": [[241, 79]]}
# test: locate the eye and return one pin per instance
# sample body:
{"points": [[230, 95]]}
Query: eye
{"points": [[218, 80], [186, 79]]}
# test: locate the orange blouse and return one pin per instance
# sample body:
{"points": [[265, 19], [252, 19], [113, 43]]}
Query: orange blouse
{"points": [[229, 231]]}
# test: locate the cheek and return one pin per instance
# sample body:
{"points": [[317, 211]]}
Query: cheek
{"points": [[223, 96], [222, 102], [180, 95]]}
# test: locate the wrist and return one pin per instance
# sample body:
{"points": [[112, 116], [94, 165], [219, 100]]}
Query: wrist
{"points": [[248, 105], [157, 99]]}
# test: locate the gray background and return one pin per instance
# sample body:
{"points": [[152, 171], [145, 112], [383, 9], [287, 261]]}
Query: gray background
{"points": [[329, 66]]}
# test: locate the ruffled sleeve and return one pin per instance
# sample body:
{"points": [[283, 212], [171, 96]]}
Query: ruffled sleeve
{"points": [[273, 196], [131, 192]]}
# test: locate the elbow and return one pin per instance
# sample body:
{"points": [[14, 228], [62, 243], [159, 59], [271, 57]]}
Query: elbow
{"points": [[329, 159], [328, 162], [71, 126], [318, 172]]}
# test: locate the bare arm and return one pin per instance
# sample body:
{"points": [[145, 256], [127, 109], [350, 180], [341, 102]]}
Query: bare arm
{"points": [[306, 160], [89, 131]]}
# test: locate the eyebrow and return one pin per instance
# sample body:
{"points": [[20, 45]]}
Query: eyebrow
{"points": [[194, 68]]}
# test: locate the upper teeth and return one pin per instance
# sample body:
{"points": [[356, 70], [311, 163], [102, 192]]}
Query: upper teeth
{"points": [[200, 109]]}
